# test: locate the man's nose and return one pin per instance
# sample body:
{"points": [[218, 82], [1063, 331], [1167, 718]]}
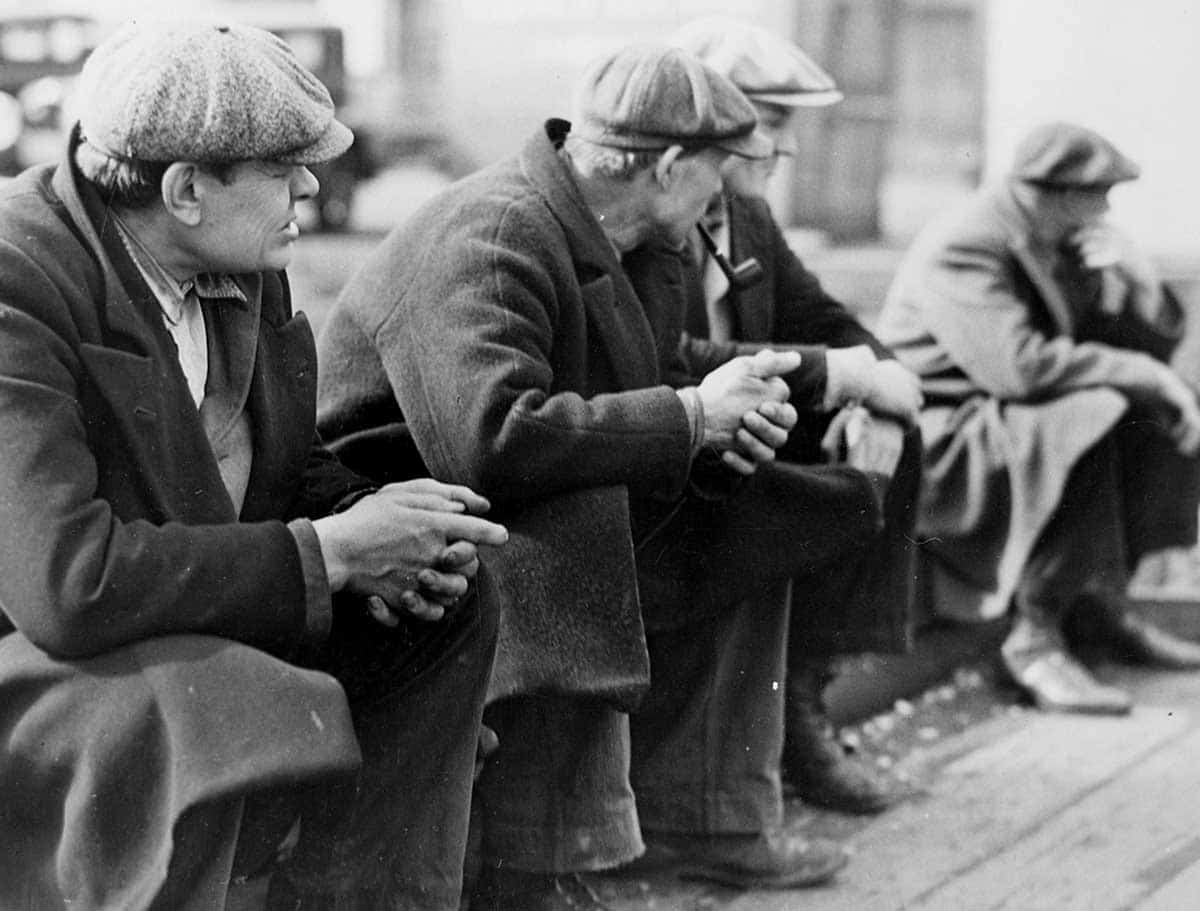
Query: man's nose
{"points": [[304, 183]]}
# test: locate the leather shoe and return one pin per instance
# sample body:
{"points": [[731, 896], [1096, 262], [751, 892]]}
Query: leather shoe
{"points": [[815, 765], [504, 889], [1108, 621], [1037, 660], [776, 859]]}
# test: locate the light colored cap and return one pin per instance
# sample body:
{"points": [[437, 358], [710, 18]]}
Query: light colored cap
{"points": [[764, 66], [1065, 155], [650, 96], [208, 92]]}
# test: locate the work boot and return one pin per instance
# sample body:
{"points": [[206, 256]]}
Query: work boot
{"points": [[1107, 620], [1036, 657], [775, 859], [505, 889], [815, 764]]}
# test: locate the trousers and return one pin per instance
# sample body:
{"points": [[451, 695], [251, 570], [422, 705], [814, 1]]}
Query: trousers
{"points": [[395, 835], [1129, 495], [701, 753]]}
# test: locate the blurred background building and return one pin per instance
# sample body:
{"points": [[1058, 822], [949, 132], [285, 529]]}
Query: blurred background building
{"points": [[937, 91]]}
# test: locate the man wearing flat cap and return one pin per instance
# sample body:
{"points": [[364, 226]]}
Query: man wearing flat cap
{"points": [[1060, 447], [860, 424], [522, 331], [210, 629]]}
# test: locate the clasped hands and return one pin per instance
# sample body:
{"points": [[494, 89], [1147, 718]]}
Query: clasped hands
{"points": [[746, 411], [410, 547]]}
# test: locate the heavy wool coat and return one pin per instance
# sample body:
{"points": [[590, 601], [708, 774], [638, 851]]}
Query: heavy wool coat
{"points": [[789, 308], [1023, 373], [145, 676], [500, 329]]}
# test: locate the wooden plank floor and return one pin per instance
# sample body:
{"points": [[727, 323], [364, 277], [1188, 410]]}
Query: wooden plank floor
{"points": [[1024, 812]]}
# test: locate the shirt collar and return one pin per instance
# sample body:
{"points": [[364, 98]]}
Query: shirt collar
{"points": [[211, 285]]}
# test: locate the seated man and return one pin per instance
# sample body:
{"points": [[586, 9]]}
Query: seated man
{"points": [[171, 530], [1059, 446], [860, 601], [524, 328]]}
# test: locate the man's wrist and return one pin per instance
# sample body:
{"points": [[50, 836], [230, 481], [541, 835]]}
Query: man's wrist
{"points": [[689, 397], [848, 375]]}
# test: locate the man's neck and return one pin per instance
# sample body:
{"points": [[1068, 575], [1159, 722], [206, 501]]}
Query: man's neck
{"points": [[154, 232]]}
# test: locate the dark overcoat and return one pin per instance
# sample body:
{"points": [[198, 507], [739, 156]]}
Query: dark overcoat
{"points": [[145, 624], [789, 308], [500, 328], [1023, 373]]}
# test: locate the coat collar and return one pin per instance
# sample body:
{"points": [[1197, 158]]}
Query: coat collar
{"points": [[1020, 242], [619, 318], [125, 311]]}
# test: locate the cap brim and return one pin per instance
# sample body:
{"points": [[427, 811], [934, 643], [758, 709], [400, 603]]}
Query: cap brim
{"points": [[752, 145], [336, 139], [815, 99]]}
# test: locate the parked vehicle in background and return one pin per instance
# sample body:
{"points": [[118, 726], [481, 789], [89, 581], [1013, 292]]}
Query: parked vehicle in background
{"points": [[41, 55], [320, 48]]}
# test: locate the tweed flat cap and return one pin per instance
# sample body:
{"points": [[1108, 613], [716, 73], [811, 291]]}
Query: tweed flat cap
{"points": [[208, 92], [764, 66], [648, 96], [1066, 155]]}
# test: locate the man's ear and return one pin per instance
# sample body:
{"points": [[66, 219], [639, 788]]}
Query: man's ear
{"points": [[181, 194], [664, 167]]}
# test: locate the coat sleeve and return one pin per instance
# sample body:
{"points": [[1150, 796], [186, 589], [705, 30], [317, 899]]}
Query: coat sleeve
{"points": [[476, 341], [75, 577], [805, 313], [973, 310]]}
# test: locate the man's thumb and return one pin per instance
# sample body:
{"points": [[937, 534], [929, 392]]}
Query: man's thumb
{"points": [[768, 363]]}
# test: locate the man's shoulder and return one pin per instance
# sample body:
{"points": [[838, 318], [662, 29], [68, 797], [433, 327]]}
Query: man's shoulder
{"points": [[974, 224], [37, 232], [30, 209]]}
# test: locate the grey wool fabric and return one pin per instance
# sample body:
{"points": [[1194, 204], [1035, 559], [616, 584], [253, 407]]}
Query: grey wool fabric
{"points": [[208, 92]]}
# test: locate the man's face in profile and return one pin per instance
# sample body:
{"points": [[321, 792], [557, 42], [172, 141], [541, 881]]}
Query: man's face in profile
{"points": [[695, 178], [1067, 210], [749, 177], [249, 222]]}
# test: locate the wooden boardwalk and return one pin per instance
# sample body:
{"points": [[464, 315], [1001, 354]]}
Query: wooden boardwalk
{"points": [[1023, 812]]}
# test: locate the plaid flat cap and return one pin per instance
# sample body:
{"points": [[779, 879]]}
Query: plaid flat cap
{"points": [[649, 96], [1066, 155], [208, 92], [764, 66]]}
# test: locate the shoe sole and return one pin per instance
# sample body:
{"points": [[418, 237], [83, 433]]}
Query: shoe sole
{"points": [[742, 880], [1110, 711], [854, 809]]}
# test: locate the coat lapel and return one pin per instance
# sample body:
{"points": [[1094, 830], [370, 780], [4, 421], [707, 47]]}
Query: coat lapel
{"points": [[615, 313], [1037, 272], [283, 389], [136, 371], [121, 315], [753, 306]]}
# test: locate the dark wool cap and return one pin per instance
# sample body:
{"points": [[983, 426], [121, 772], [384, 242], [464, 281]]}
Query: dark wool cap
{"points": [[654, 96], [764, 66], [1064, 155], [209, 92]]}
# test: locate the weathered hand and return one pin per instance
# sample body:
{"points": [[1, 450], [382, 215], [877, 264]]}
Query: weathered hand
{"points": [[1103, 245], [737, 388], [762, 432], [1185, 432], [404, 557]]}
